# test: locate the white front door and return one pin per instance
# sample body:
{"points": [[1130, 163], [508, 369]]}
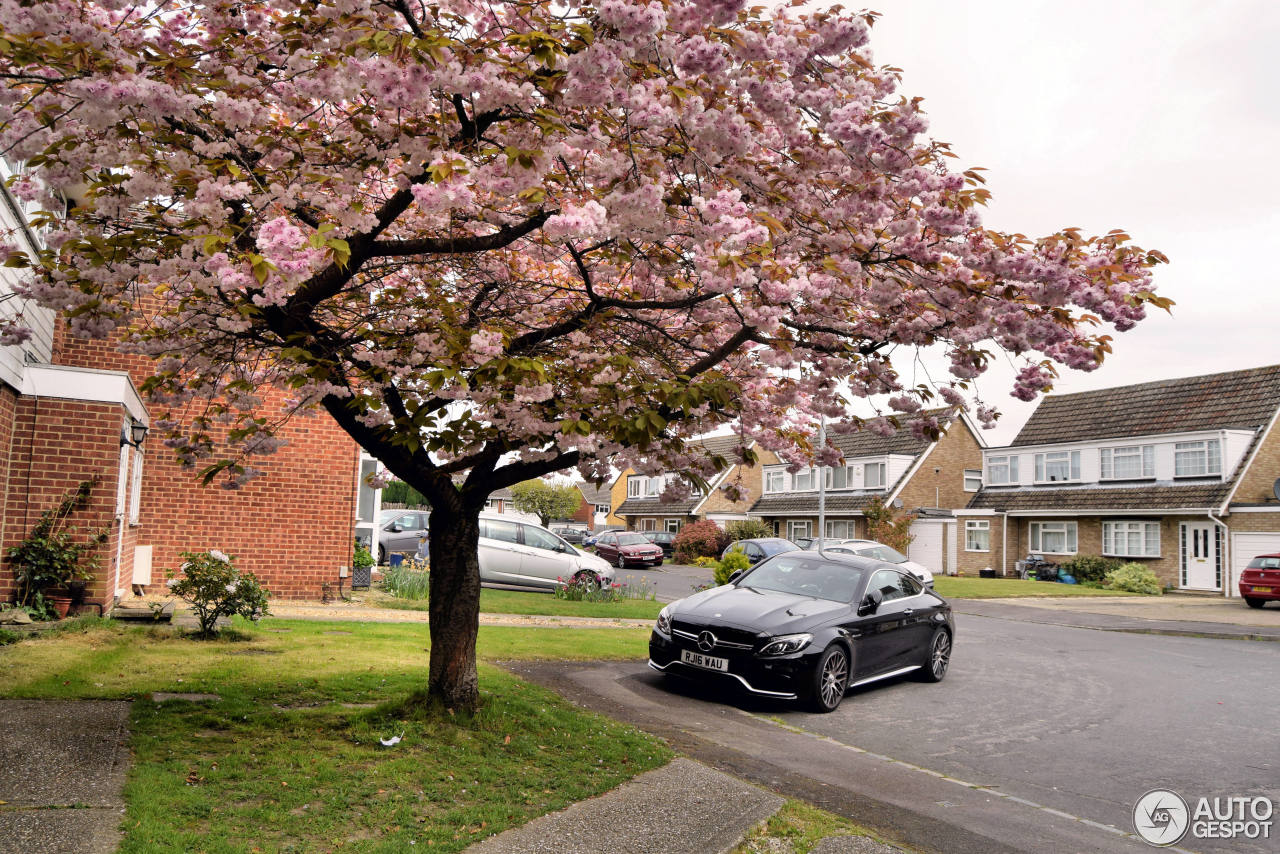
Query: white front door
{"points": [[1201, 557]]}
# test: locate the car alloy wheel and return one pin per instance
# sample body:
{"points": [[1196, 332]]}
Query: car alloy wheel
{"points": [[830, 679], [382, 555], [588, 580], [939, 657]]}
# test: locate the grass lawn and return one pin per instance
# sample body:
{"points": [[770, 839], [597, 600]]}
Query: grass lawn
{"points": [[1004, 588], [289, 759], [543, 604]]}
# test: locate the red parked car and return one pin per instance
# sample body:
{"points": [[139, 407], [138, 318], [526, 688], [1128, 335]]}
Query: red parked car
{"points": [[1260, 580], [628, 548]]}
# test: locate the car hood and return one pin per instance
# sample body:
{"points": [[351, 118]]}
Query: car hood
{"points": [[647, 548], [755, 610]]}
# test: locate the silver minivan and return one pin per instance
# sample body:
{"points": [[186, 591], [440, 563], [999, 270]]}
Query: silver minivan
{"points": [[513, 552]]}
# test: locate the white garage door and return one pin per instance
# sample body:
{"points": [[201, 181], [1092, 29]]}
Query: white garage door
{"points": [[927, 545], [1244, 548]]}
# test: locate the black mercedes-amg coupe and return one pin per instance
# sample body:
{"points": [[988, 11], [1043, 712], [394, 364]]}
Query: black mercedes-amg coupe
{"points": [[807, 625]]}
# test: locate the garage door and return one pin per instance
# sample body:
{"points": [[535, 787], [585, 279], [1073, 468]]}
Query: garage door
{"points": [[1244, 548], [927, 545]]}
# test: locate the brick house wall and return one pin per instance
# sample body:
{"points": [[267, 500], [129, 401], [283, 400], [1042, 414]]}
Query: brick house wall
{"points": [[957, 450], [750, 476], [972, 562], [1257, 483], [42, 467], [293, 526], [617, 495]]}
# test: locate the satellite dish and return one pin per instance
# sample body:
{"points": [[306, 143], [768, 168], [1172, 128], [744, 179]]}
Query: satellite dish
{"points": [[897, 502], [1275, 488]]}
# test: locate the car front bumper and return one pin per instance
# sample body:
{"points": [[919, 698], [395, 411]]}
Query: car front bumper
{"points": [[783, 677]]}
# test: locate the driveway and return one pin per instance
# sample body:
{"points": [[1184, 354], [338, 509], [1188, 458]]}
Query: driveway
{"points": [[671, 581], [1041, 738]]}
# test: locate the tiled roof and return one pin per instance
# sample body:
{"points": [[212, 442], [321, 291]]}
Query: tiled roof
{"points": [[807, 503], [864, 443], [1197, 496], [719, 446], [594, 494], [651, 506], [1238, 399]]}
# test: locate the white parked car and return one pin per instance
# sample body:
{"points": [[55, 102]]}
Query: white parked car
{"points": [[523, 553], [879, 551]]}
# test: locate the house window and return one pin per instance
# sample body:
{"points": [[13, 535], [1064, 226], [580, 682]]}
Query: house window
{"points": [[1197, 459], [1057, 466], [775, 480], [492, 504], [122, 485], [1129, 463], [803, 480], [652, 487], [977, 535], [972, 480], [839, 478], [839, 529], [873, 475], [797, 529], [1131, 539], [135, 488], [648, 524], [635, 487], [602, 508], [1058, 538], [673, 525], [1003, 469]]}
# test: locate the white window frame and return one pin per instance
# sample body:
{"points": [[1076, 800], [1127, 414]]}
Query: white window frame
{"points": [[972, 480], [603, 508], [652, 487], [1117, 537], [1069, 461], [804, 481], [772, 475], [635, 486], [135, 488], [1005, 465], [672, 526], [975, 530], [880, 478], [122, 483], [845, 473], [1110, 461], [648, 524], [840, 529], [1068, 530], [797, 528], [1202, 458]]}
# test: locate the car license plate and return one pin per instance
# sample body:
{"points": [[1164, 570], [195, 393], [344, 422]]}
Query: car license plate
{"points": [[1262, 590], [709, 662]]}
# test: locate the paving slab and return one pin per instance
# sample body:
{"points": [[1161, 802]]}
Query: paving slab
{"points": [[682, 808], [62, 785], [852, 845]]}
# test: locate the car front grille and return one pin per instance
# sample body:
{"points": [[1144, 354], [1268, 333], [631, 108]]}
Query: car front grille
{"points": [[726, 638]]}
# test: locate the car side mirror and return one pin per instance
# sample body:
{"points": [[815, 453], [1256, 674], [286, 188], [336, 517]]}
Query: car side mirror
{"points": [[395, 529], [870, 603], [735, 575]]}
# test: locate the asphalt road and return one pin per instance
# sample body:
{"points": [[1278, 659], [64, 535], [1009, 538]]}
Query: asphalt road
{"points": [[1040, 739], [669, 581]]}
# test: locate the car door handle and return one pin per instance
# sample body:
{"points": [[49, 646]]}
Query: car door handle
{"points": [[907, 612]]}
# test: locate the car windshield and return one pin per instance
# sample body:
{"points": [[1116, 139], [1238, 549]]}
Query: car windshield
{"points": [[632, 540], [804, 576], [777, 547], [880, 552]]}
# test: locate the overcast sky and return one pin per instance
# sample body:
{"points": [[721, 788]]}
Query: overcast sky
{"points": [[1159, 118]]}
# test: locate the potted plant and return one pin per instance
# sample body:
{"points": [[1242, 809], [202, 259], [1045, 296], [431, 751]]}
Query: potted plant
{"points": [[50, 561]]}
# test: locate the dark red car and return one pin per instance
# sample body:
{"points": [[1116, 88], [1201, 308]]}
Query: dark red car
{"points": [[1260, 580], [628, 548]]}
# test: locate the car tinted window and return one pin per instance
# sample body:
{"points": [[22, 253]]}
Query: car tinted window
{"points": [[632, 540], [507, 532], [908, 585], [606, 538], [1265, 563], [804, 577], [540, 539], [887, 582], [883, 553], [408, 521]]}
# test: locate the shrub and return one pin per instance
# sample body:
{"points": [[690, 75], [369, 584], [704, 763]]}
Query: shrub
{"points": [[213, 586], [1090, 567], [1134, 578], [747, 529], [406, 582], [699, 539], [705, 562], [360, 556], [51, 556], [886, 525], [734, 561]]}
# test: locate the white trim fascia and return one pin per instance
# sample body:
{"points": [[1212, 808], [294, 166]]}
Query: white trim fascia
{"points": [[975, 512], [1222, 511], [1274, 508], [713, 485], [1135, 512], [1120, 441], [88, 384]]}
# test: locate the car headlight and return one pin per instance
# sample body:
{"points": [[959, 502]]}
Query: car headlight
{"points": [[785, 644], [664, 621]]}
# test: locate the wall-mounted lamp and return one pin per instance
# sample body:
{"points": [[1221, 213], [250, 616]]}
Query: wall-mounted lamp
{"points": [[134, 434]]}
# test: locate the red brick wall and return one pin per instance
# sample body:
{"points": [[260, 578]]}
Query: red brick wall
{"points": [[293, 526], [43, 466]]}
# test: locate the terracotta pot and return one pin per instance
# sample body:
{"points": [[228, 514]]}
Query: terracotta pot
{"points": [[61, 605]]}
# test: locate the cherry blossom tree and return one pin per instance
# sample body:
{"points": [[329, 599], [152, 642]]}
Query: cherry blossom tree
{"points": [[498, 240]]}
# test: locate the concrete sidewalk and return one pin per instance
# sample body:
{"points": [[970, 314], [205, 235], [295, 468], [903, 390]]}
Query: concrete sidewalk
{"points": [[64, 761], [1171, 614]]}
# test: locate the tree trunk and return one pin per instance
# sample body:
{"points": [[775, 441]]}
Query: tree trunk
{"points": [[454, 606]]}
